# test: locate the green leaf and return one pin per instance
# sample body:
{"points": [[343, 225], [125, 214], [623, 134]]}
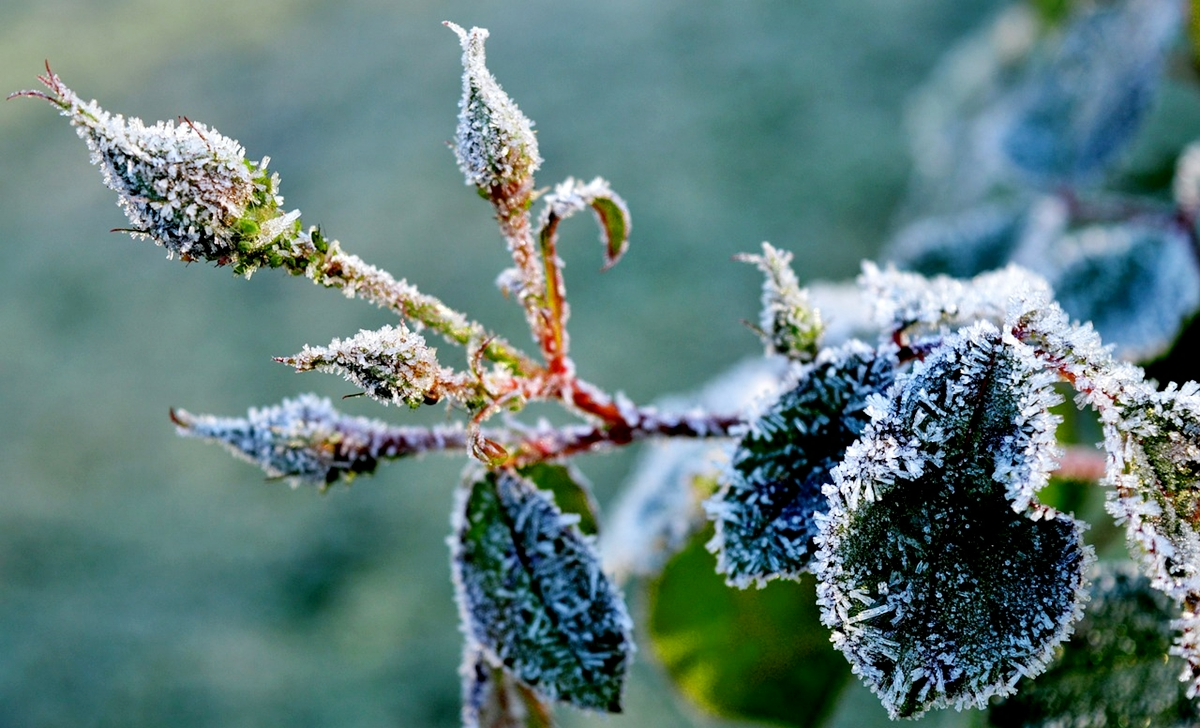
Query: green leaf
{"points": [[759, 654], [532, 595], [1115, 671], [571, 492], [612, 214], [942, 578]]}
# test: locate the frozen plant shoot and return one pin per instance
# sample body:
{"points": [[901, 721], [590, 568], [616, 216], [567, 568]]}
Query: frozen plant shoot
{"points": [[898, 464]]}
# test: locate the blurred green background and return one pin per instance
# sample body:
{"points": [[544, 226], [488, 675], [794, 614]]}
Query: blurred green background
{"points": [[148, 580]]}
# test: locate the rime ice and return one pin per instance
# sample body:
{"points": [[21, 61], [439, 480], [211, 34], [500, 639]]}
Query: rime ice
{"points": [[532, 594], [789, 324]]}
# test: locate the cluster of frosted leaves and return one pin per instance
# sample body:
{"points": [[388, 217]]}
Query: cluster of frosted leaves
{"points": [[942, 579], [304, 439], [393, 365], [494, 143], [612, 214], [1114, 671], [494, 699], [659, 507], [532, 595], [185, 186], [789, 324], [765, 511]]}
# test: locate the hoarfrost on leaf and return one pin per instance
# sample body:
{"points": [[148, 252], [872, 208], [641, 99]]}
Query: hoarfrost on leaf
{"points": [[943, 580], [533, 596], [495, 144], [764, 513], [612, 214], [393, 365], [493, 699], [789, 324]]}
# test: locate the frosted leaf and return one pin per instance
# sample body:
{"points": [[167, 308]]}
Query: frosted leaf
{"points": [[938, 305], [495, 144], [1137, 284], [1154, 468], [764, 513], [1083, 100], [943, 580], [789, 324], [186, 186], [960, 245], [393, 365], [659, 507], [308, 441], [493, 699], [1114, 670], [571, 491], [612, 214], [532, 594], [846, 311]]}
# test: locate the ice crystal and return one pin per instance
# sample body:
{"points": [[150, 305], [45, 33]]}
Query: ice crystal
{"points": [[532, 594], [184, 185], [789, 324], [942, 579], [764, 513], [495, 144], [1114, 670], [304, 439], [493, 699], [393, 365]]}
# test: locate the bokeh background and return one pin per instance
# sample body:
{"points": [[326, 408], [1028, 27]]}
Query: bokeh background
{"points": [[147, 580]]}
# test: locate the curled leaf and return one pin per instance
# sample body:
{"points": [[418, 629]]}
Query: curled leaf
{"points": [[765, 512], [612, 214], [942, 579], [532, 595]]}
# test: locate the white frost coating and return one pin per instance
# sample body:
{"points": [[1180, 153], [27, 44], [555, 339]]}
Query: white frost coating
{"points": [[659, 507], [185, 186], [932, 534], [393, 365], [494, 143], [939, 305], [789, 324]]}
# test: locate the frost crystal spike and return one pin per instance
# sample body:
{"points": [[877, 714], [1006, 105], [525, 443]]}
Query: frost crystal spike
{"points": [[942, 580], [533, 597]]}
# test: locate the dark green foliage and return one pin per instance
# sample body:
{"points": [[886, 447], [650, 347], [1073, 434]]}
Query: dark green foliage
{"points": [[757, 654], [1114, 671]]}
